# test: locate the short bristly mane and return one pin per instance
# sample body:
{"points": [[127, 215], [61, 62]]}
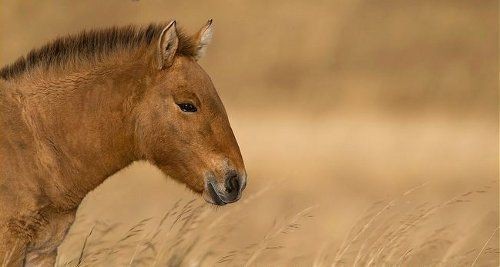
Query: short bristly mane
{"points": [[92, 45]]}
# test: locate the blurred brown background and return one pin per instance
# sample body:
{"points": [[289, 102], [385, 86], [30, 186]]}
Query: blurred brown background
{"points": [[338, 104]]}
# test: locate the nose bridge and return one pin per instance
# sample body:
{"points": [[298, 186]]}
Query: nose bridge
{"points": [[223, 151], [221, 165], [230, 150], [226, 152]]}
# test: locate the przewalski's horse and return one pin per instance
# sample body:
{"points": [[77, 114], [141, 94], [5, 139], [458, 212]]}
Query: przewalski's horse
{"points": [[83, 107]]}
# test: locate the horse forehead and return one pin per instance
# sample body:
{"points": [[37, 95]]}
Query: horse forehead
{"points": [[189, 76], [188, 71]]}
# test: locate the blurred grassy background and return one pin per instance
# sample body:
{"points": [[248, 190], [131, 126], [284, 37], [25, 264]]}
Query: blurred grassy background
{"points": [[345, 103]]}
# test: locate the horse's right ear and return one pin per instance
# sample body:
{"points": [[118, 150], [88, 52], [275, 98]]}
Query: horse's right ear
{"points": [[167, 46]]}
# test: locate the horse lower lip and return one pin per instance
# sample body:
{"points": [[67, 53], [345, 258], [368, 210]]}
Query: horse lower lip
{"points": [[215, 197]]}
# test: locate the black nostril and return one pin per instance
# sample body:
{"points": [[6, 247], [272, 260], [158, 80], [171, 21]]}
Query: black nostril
{"points": [[232, 183]]}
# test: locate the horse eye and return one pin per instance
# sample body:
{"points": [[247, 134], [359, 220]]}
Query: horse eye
{"points": [[187, 107]]}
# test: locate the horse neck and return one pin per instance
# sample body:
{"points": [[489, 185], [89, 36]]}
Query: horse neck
{"points": [[85, 122]]}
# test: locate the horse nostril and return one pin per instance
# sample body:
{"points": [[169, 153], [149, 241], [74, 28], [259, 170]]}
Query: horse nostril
{"points": [[232, 183]]}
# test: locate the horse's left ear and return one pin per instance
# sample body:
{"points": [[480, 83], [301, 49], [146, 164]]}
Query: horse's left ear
{"points": [[203, 38]]}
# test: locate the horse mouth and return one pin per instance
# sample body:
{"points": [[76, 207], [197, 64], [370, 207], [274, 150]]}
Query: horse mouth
{"points": [[216, 199]]}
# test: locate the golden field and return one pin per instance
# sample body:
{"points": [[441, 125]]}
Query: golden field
{"points": [[369, 131]]}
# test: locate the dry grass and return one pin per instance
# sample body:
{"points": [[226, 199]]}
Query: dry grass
{"points": [[390, 233]]}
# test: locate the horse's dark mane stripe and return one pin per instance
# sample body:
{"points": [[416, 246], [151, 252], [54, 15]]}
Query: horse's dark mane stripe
{"points": [[91, 45]]}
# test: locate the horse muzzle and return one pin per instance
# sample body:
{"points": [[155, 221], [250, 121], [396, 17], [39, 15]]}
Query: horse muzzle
{"points": [[228, 191]]}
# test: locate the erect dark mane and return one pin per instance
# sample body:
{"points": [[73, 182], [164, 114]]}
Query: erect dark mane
{"points": [[91, 45]]}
